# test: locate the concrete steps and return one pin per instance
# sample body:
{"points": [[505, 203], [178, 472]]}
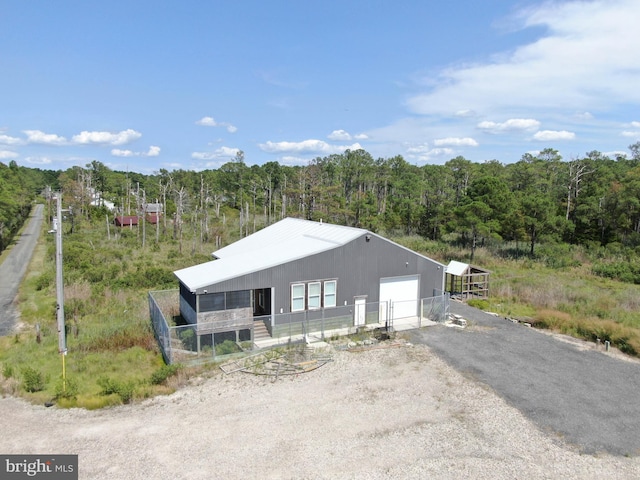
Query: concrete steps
{"points": [[260, 331]]}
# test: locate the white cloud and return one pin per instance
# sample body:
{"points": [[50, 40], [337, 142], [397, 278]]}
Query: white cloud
{"points": [[220, 153], [342, 135], [207, 122], [424, 153], [83, 138], [38, 160], [441, 151], [466, 113], [39, 137], [511, 125], [455, 142], [116, 152], [211, 122], [584, 116], [6, 155], [152, 152], [552, 135], [339, 135], [106, 138], [632, 133], [310, 146], [7, 140], [616, 154], [293, 161], [419, 149], [173, 165], [584, 61]]}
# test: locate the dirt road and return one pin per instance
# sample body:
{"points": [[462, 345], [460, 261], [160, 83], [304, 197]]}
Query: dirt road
{"points": [[13, 268]]}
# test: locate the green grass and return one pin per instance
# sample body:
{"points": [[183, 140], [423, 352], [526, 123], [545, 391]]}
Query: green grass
{"points": [[109, 335], [565, 295]]}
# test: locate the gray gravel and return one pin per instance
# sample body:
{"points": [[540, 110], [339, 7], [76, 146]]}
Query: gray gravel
{"points": [[394, 413], [13, 268], [587, 397]]}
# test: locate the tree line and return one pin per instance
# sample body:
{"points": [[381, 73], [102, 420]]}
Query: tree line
{"points": [[591, 200], [19, 186]]}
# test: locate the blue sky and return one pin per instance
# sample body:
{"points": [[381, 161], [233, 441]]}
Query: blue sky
{"points": [[143, 85]]}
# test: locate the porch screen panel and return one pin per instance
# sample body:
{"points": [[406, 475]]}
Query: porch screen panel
{"points": [[238, 299], [211, 302]]}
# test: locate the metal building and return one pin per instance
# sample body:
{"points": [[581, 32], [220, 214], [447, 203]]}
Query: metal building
{"points": [[298, 271]]}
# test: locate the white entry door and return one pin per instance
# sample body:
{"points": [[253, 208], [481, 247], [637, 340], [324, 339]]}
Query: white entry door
{"points": [[399, 297], [359, 311]]}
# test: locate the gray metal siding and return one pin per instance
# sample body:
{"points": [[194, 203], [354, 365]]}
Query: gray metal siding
{"points": [[357, 266]]}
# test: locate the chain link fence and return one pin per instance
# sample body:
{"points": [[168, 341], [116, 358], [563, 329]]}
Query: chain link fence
{"points": [[193, 343]]}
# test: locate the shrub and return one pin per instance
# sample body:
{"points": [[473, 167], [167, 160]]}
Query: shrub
{"points": [[7, 371], [553, 320], [68, 391], [624, 271], [32, 380], [164, 372], [44, 280], [147, 277], [479, 304], [110, 386], [125, 392], [116, 338], [226, 347], [188, 338]]}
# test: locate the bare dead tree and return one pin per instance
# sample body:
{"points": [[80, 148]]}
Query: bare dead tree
{"points": [[164, 189], [181, 199], [577, 170]]}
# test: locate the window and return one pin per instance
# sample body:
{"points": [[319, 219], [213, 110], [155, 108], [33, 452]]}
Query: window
{"points": [[313, 295], [297, 297], [329, 293]]}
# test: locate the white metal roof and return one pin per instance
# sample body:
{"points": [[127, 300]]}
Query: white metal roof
{"points": [[282, 242], [457, 268]]}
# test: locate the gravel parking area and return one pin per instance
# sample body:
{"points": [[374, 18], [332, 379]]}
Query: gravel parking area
{"points": [[387, 413], [587, 396]]}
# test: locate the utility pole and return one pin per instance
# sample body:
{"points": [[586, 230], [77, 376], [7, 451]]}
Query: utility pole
{"points": [[62, 339]]}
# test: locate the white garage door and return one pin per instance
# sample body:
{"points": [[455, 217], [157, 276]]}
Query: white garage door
{"points": [[399, 297]]}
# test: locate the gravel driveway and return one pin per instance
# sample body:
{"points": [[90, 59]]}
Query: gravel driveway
{"points": [[14, 267], [383, 414], [587, 397]]}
